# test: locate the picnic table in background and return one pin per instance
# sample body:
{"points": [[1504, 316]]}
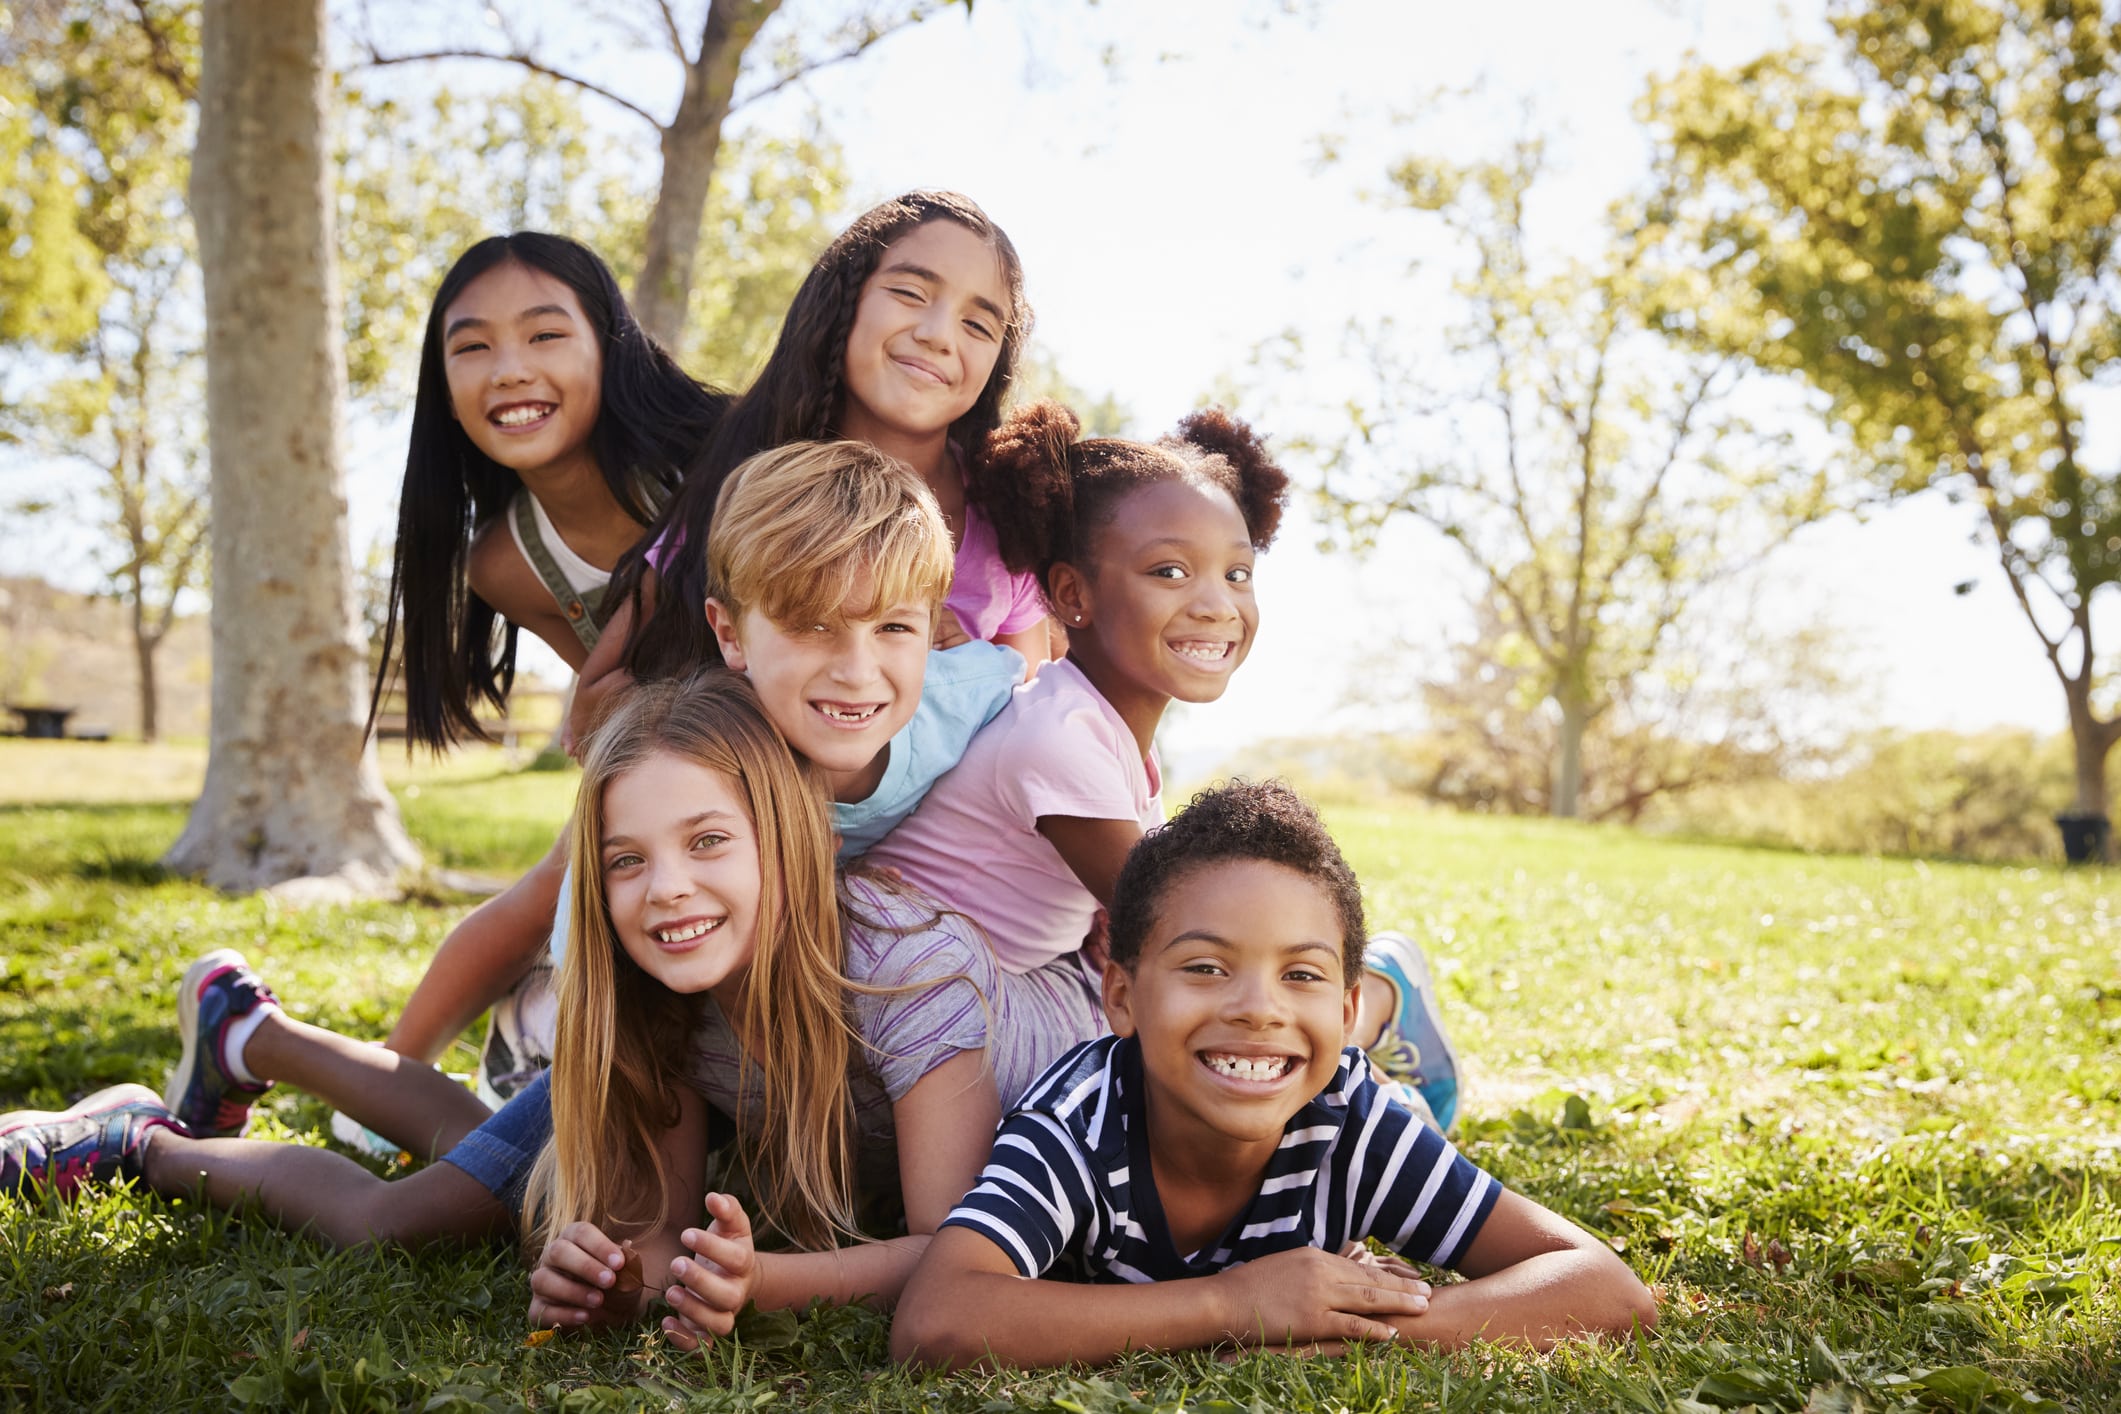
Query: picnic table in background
{"points": [[43, 722]]}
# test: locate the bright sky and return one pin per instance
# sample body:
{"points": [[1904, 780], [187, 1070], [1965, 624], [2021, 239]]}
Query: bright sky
{"points": [[1172, 212]]}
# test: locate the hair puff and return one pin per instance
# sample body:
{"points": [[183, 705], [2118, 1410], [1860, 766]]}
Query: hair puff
{"points": [[1262, 490], [1024, 481]]}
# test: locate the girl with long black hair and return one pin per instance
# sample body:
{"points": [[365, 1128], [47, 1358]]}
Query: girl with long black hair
{"points": [[548, 430]]}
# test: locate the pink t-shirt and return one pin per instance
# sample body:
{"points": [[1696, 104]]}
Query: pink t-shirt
{"points": [[988, 600], [1058, 748]]}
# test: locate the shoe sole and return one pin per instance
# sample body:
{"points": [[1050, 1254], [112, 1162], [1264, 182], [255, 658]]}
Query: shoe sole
{"points": [[188, 1027], [87, 1107]]}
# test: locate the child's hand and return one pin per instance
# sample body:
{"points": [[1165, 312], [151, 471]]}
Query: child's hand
{"points": [[718, 1281], [1377, 1261], [1307, 1295], [948, 631], [582, 1276]]}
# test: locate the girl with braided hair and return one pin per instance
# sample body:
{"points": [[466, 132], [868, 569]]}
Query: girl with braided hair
{"points": [[905, 335]]}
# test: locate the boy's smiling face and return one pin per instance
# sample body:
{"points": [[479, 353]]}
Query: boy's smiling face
{"points": [[1240, 1000], [838, 691]]}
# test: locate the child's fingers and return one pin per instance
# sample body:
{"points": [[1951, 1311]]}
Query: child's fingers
{"points": [[701, 1315], [732, 1255], [590, 1239], [730, 1219], [727, 1291], [556, 1288], [683, 1336], [583, 1264], [1382, 1295]]}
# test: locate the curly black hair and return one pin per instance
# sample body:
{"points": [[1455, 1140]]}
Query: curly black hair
{"points": [[1240, 820], [1048, 493]]}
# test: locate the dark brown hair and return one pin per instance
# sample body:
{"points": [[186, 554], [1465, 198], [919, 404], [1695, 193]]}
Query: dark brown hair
{"points": [[798, 398], [1048, 493], [452, 648], [1240, 821]]}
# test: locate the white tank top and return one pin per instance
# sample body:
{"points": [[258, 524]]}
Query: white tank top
{"points": [[581, 576]]}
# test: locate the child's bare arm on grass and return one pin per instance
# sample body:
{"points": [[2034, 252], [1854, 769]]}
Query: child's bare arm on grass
{"points": [[1537, 1278], [945, 1125], [967, 1305], [586, 1276], [478, 962]]}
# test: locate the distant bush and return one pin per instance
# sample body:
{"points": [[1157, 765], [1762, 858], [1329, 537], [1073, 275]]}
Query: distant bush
{"points": [[1989, 796], [1992, 795]]}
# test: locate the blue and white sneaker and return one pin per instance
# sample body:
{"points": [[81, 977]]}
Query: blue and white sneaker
{"points": [[1413, 1046], [218, 990], [519, 1037], [102, 1138]]}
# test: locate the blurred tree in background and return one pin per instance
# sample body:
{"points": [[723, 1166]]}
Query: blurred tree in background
{"points": [[420, 179], [99, 319], [1598, 478], [1923, 220], [729, 52]]}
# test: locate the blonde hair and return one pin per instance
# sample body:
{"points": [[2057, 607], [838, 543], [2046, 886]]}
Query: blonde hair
{"points": [[614, 1080], [798, 529]]}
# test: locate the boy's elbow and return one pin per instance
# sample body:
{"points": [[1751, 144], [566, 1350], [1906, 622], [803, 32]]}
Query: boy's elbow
{"points": [[918, 1338], [1633, 1307]]}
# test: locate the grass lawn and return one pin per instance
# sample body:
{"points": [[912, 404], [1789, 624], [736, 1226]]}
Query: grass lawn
{"points": [[1860, 1120]]}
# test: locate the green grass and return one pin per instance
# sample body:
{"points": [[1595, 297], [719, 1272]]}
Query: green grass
{"points": [[1859, 1119]]}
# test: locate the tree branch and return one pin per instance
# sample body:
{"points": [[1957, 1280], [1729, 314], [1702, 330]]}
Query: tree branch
{"points": [[805, 69], [162, 55], [378, 60]]}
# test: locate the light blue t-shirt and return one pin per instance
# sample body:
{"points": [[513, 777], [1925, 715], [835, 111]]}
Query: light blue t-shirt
{"points": [[964, 689]]}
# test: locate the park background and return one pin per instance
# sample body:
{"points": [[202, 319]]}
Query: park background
{"points": [[1855, 1110]]}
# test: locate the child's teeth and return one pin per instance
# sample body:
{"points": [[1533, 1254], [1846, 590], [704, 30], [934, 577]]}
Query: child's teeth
{"points": [[1250, 1067], [516, 417], [686, 934], [843, 714]]}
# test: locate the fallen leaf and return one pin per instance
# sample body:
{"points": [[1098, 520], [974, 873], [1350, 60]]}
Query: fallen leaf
{"points": [[631, 1277], [63, 1292], [538, 1338], [1750, 1251], [1779, 1254]]}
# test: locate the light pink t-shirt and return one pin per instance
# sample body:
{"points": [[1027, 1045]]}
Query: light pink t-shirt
{"points": [[988, 600], [1058, 748]]}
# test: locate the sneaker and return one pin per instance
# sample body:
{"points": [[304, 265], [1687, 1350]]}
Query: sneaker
{"points": [[1413, 1046], [102, 1138], [519, 1036], [217, 990]]}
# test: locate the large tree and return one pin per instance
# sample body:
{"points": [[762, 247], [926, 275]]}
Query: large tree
{"points": [[1597, 478], [718, 50], [1923, 218], [291, 786]]}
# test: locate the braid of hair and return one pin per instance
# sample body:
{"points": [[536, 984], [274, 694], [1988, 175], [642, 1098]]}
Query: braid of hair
{"points": [[853, 277]]}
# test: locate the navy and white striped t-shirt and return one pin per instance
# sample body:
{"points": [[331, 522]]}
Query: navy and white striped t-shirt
{"points": [[1069, 1178]]}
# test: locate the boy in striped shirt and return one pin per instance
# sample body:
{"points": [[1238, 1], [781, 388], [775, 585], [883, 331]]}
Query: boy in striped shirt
{"points": [[1223, 1156]]}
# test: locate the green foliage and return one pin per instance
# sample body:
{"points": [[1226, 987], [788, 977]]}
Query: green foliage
{"points": [[103, 344], [1924, 221], [421, 179], [1853, 1117]]}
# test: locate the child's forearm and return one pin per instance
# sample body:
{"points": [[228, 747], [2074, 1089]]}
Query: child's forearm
{"points": [[1537, 1302], [847, 1274], [976, 1318], [478, 962]]}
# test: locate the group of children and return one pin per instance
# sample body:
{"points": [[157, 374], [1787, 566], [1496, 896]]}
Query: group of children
{"points": [[867, 906]]}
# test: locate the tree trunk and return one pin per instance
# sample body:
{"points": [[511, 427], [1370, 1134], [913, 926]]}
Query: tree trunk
{"points": [[144, 645], [2091, 739], [690, 144], [292, 790], [1568, 760]]}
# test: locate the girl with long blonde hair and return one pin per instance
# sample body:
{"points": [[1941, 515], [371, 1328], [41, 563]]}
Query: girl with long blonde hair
{"points": [[716, 960]]}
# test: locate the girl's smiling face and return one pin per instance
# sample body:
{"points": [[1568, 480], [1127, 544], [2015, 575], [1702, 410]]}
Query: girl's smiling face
{"points": [[681, 874], [524, 367], [1165, 603], [926, 335]]}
